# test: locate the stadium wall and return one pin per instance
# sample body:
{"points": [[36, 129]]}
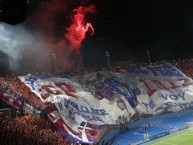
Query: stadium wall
{"points": [[109, 138]]}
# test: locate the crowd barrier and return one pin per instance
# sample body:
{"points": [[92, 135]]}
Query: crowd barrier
{"points": [[157, 136]]}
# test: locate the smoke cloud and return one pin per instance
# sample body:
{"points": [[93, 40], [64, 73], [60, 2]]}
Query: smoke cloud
{"points": [[54, 28], [23, 48]]}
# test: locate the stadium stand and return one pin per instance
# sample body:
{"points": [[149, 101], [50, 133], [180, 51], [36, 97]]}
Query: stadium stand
{"points": [[38, 112]]}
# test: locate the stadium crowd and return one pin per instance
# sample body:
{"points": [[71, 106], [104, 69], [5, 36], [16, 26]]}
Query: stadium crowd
{"points": [[13, 85], [30, 130]]}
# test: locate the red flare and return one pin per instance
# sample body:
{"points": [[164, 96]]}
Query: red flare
{"points": [[77, 31]]}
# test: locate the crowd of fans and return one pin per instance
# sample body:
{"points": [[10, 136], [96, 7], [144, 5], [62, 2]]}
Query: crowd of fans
{"points": [[186, 65], [31, 130], [27, 130], [13, 85]]}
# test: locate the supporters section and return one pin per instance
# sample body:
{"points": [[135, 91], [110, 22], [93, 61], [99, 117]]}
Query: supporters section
{"points": [[83, 106]]}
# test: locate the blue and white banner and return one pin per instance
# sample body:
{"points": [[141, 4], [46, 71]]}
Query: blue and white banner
{"points": [[100, 98], [76, 105]]}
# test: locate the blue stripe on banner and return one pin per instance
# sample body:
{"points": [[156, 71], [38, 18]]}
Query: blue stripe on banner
{"points": [[126, 92]]}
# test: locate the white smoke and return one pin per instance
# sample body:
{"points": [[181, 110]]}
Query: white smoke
{"points": [[13, 40], [23, 47]]}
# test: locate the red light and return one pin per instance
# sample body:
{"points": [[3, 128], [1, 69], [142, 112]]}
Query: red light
{"points": [[77, 31]]}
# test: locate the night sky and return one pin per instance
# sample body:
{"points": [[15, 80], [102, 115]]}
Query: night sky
{"points": [[126, 29]]}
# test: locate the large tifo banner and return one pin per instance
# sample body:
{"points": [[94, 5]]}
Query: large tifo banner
{"points": [[81, 104]]}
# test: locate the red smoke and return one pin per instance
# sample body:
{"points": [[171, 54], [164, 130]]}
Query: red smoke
{"points": [[45, 19], [77, 31], [64, 26]]}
